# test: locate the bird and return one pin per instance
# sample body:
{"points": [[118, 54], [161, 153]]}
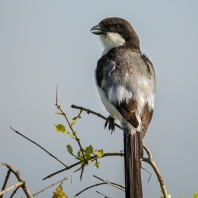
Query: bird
{"points": [[125, 79]]}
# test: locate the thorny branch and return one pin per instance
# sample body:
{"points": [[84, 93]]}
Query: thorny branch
{"points": [[70, 126]]}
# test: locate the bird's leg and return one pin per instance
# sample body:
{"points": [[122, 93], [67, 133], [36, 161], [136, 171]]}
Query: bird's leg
{"points": [[110, 122]]}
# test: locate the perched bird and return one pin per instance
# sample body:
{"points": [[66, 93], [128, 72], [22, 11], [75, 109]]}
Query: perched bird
{"points": [[125, 79]]}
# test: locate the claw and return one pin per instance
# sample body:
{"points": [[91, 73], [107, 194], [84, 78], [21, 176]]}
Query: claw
{"points": [[110, 122]]}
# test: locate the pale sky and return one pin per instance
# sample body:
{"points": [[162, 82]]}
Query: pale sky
{"points": [[48, 43]]}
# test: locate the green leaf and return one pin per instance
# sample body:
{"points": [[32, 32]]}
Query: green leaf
{"points": [[72, 136], [69, 149], [75, 118], [87, 155], [74, 122], [60, 128], [97, 165], [91, 150], [78, 154]]}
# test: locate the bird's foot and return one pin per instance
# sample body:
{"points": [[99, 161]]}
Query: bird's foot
{"points": [[110, 122]]}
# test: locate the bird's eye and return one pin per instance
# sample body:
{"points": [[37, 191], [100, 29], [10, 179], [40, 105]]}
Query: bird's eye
{"points": [[116, 27]]}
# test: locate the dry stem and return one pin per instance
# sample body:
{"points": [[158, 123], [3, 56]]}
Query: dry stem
{"points": [[5, 182], [151, 161], [104, 182], [11, 187], [20, 179], [39, 147], [61, 181]]}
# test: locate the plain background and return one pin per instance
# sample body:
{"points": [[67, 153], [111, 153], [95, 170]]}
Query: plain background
{"points": [[48, 43]]}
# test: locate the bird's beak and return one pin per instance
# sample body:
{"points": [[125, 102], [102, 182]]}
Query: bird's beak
{"points": [[98, 30]]}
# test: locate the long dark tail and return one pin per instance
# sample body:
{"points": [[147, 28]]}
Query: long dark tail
{"points": [[132, 155]]}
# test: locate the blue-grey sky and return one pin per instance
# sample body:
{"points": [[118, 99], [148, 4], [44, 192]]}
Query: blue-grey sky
{"points": [[48, 43]]}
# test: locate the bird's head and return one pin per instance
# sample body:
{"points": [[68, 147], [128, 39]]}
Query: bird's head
{"points": [[115, 32]]}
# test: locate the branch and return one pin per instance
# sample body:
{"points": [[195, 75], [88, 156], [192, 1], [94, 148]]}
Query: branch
{"points": [[102, 194], [111, 183], [147, 172], [104, 182], [14, 191], [61, 181], [89, 188], [94, 113], [70, 126], [11, 187], [77, 163], [20, 179], [151, 161], [5, 182], [39, 147]]}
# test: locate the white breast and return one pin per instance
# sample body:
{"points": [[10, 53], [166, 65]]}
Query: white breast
{"points": [[111, 40]]}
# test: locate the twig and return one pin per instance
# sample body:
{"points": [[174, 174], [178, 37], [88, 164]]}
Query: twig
{"points": [[148, 172], [11, 187], [82, 170], [89, 188], [39, 147], [61, 181], [151, 161], [77, 163], [111, 183], [14, 191], [95, 113], [70, 126], [20, 179], [102, 194], [104, 182], [5, 182]]}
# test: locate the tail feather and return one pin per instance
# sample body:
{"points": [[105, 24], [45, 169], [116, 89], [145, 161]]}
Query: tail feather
{"points": [[132, 156], [140, 142]]}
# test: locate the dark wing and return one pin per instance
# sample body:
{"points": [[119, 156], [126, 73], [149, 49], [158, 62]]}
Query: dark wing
{"points": [[104, 69], [146, 119], [106, 65], [128, 111], [147, 113]]}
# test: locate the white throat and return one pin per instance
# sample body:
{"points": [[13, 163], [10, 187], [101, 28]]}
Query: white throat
{"points": [[111, 40]]}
